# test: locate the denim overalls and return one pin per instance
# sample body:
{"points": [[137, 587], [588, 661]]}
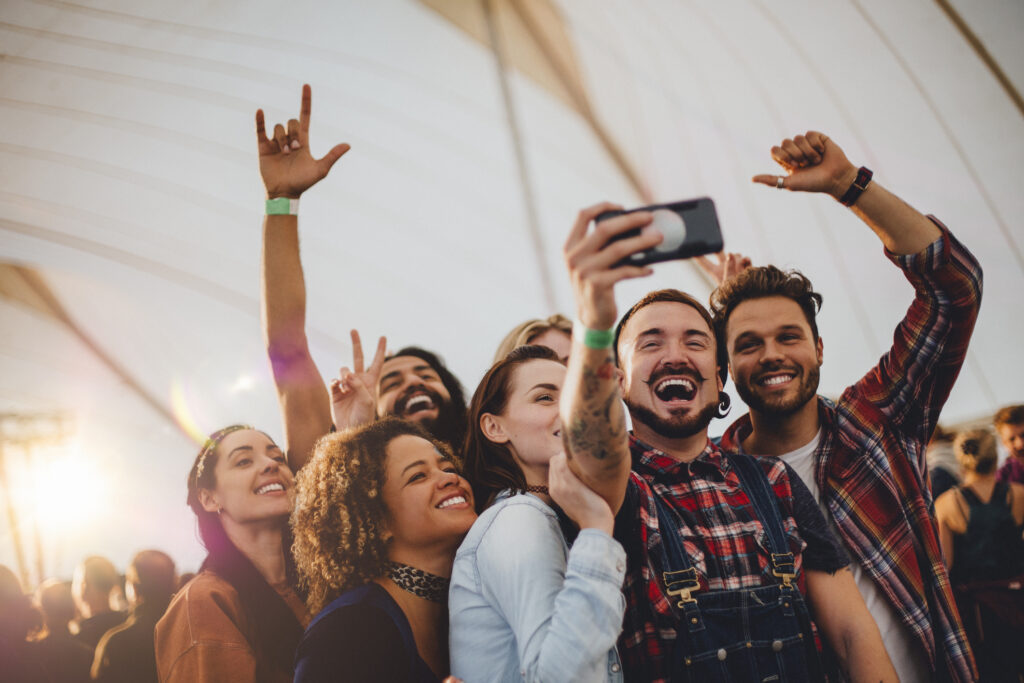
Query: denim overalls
{"points": [[755, 634]]}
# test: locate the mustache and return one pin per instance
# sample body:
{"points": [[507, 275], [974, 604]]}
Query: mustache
{"points": [[668, 371], [403, 400]]}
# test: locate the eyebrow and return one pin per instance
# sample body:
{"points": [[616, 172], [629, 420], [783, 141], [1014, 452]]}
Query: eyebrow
{"points": [[234, 450], [398, 373], [549, 387], [413, 464]]}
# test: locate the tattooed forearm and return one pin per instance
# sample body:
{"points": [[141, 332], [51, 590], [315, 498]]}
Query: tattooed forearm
{"points": [[597, 425]]}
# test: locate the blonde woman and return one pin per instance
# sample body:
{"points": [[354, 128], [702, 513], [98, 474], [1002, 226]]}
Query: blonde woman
{"points": [[554, 332]]}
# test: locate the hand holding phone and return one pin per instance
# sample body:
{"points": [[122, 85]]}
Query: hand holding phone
{"points": [[690, 228]]}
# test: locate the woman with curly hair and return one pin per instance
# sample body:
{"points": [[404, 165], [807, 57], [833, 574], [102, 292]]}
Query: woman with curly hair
{"points": [[240, 618], [379, 514], [532, 597]]}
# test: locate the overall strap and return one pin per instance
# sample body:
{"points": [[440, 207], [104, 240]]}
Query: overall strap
{"points": [[970, 496], [766, 506], [678, 575]]}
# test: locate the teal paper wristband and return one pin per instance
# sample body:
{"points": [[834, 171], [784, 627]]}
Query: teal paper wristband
{"points": [[282, 206], [593, 339]]}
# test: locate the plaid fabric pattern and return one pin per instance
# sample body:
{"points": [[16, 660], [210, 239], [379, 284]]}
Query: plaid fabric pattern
{"points": [[719, 532], [871, 459]]}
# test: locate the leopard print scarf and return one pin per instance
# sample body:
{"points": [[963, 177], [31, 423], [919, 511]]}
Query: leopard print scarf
{"points": [[418, 582]]}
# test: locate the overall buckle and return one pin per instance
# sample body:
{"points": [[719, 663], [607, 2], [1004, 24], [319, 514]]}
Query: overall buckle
{"points": [[682, 583], [783, 567]]}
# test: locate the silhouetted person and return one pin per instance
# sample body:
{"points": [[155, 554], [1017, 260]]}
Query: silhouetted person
{"points": [[66, 659], [94, 581], [19, 661], [126, 652]]}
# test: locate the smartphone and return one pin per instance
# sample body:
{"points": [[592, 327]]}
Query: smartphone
{"points": [[690, 228]]}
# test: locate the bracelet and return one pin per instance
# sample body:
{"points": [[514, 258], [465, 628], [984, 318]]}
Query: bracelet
{"points": [[282, 206], [859, 185], [592, 339]]}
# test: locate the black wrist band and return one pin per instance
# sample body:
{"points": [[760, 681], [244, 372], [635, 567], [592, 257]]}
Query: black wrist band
{"points": [[859, 185]]}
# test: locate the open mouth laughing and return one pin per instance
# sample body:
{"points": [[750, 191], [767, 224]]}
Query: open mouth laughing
{"points": [[416, 401]]}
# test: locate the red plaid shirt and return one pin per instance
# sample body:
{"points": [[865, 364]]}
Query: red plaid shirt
{"points": [[871, 458], [720, 533]]}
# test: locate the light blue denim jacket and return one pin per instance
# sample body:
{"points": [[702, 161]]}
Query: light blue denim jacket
{"points": [[524, 607]]}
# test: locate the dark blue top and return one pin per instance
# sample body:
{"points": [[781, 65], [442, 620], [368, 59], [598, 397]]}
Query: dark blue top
{"points": [[361, 637]]}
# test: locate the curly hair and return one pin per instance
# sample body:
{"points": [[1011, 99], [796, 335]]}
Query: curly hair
{"points": [[761, 282], [524, 333], [340, 515]]}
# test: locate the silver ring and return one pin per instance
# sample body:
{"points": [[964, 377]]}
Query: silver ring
{"points": [[778, 183]]}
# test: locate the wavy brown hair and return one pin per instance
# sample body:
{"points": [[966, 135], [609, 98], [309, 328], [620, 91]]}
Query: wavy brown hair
{"points": [[339, 516], [489, 467]]}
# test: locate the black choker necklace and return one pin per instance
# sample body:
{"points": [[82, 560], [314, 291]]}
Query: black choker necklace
{"points": [[537, 489], [418, 582]]}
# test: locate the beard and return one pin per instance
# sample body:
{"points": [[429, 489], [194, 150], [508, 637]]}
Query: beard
{"points": [[675, 427], [450, 424], [782, 406]]}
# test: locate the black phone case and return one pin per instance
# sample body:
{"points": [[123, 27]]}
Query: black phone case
{"points": [[702, 232]]}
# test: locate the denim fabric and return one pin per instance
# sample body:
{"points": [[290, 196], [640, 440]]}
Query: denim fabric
{"points": [[758, 634], [524, 607]]}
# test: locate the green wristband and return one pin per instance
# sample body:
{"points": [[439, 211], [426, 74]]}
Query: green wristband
{"points": [[592, 339], [282, 206]]}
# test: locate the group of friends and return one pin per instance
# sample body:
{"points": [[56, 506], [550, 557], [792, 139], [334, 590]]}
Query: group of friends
{"points": [[402, 534]]}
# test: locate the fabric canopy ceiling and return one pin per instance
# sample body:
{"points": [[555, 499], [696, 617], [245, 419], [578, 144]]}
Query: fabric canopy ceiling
{"points": [[130, 193]]}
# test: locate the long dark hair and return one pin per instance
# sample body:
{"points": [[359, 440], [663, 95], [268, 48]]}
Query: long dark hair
{"points": [[277, 631], [490, 467]]}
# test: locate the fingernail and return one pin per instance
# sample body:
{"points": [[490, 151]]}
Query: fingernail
{"points": [[286, 149], [295, 144]]}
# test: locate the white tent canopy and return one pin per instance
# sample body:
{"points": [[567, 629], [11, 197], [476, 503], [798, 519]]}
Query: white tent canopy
{"points": [[129, 185]]}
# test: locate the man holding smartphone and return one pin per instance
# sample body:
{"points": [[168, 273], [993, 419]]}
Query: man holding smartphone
{"points": [[863, 456], [722, 549]]}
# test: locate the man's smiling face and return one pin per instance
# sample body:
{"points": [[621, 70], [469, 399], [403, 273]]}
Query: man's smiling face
{"points": [[410, 388], [773, 356], [670, 375]]}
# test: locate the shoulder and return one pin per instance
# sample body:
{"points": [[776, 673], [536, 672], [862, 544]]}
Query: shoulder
{"points": [[517, 517], [202, 608], [350, 637]]}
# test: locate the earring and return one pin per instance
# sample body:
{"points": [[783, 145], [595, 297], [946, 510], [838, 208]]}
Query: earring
{"points": [[724, 404]]}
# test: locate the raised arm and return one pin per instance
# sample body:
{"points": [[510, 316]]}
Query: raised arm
{"points": [[814, 163], [591, 406], [913, 379], [289, 169]]}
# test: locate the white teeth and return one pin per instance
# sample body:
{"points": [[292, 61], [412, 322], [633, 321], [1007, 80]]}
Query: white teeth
{"points": [[777, 379], [676, 381], [455, 500], [416, 400], [268, 488]]}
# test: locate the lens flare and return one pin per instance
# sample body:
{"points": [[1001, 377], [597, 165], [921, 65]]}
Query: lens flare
{"points": [[183, 414]]}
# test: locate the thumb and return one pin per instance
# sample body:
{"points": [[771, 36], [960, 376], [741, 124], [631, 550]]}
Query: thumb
{"points": [[766, 179], [327, 161]]}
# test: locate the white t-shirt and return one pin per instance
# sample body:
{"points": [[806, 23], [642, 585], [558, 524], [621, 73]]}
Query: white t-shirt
{"points": [[906, 655]]}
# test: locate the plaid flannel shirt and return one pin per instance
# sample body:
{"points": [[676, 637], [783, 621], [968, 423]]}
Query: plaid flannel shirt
{"points": [[871, 467], [720, 534]]}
